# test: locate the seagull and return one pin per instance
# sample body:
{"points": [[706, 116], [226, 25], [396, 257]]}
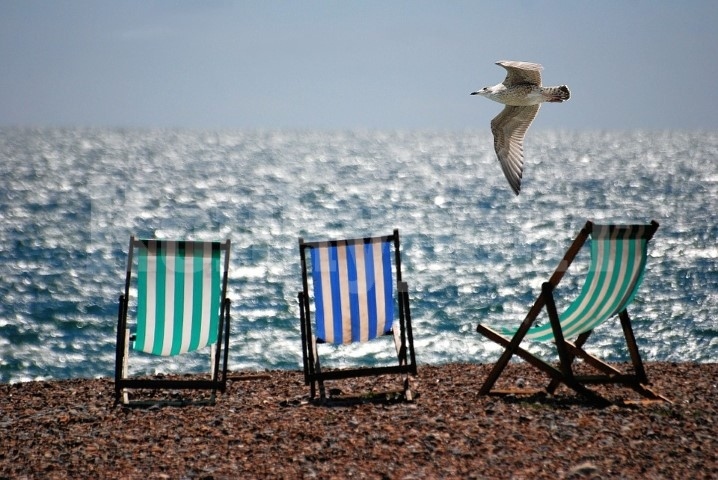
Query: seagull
{"points": [[522, 93]]}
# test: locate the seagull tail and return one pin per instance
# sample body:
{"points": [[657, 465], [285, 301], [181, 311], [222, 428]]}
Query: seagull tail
{"points": [[556, 94]]}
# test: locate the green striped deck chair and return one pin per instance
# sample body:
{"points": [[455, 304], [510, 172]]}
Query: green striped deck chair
{"points": [[357, 295], [616, 269], [181, 307]]}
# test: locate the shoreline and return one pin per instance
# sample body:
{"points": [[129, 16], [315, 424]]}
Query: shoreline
{"points": [[265, 427]]}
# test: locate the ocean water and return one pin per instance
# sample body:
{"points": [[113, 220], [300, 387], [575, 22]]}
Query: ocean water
{"points": [[471, 251]]}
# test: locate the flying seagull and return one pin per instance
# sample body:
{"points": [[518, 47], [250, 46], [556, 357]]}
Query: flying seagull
{"points": [[522, 93]]}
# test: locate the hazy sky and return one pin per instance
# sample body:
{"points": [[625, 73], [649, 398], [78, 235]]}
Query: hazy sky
{"points": [[352, 64]]}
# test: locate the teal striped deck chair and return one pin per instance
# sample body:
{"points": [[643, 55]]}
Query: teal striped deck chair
{"points": [[616, 269], [357, 295], [180, 306]]}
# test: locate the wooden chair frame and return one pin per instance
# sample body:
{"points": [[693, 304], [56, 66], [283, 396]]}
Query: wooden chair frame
{"points": [[568, 351], [403, 337], [219, 351]]}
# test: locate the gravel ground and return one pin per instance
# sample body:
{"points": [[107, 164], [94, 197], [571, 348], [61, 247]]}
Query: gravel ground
{"points": [[268, 428]]}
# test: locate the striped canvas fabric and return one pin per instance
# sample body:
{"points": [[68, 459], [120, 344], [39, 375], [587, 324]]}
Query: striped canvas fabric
{"points": [[179, 291], [352, 290], [618, 260]]}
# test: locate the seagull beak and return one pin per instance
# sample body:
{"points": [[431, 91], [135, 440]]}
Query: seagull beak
{"points": [[474, 93]]}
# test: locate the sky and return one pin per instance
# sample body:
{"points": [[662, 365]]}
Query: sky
{"points": [[271, 64]]}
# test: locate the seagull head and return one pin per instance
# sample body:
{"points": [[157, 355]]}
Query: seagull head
{"points": [[485, 92]]}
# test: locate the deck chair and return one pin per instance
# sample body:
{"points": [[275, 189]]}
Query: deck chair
{"points": [[355, 295], [617, 265], [181, 307]]}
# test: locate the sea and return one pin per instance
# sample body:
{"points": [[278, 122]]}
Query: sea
{"points": [[472, 251]]}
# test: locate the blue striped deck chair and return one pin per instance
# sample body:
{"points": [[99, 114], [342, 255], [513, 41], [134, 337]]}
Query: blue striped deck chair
{"points": [[616, 269], [181, 306], [357, 296]]}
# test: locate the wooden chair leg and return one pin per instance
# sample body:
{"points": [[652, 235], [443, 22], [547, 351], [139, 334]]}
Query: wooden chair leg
{"points": [[633, 347], [125, 366], [512, 347], [551, 388], [565, 358], [317, 372]]}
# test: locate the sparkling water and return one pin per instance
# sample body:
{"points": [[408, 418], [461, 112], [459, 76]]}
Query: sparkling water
{"points": [[472, 251]]}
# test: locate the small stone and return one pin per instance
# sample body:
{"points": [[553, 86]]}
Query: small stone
{"points": [[583, 469]]}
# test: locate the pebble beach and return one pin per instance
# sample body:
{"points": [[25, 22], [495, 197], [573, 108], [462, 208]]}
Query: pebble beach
{"points": [[266, 426]]}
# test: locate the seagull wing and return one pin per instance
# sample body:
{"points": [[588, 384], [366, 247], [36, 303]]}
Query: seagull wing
{"points": [[521, 73], [509, 128]]}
